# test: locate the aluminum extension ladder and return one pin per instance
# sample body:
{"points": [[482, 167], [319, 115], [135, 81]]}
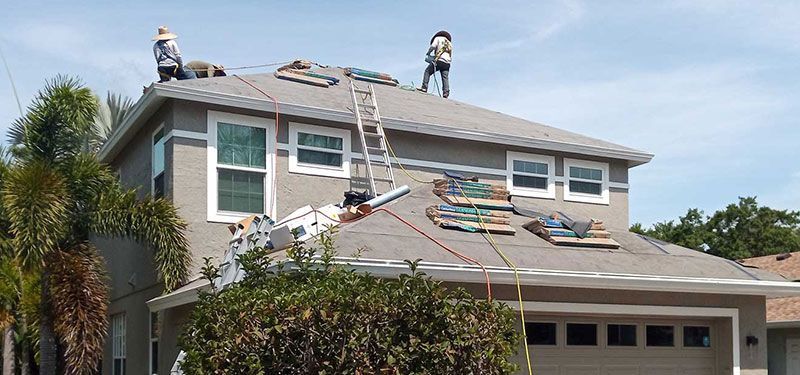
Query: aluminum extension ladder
{"points": [[373, 139], [256, 234]]}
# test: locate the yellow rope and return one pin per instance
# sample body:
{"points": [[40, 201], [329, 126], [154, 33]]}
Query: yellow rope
{"points": [[510, 264], [397, 160]]}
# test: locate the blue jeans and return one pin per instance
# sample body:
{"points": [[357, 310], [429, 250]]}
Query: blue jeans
{"points": [[444, 70], [178, 72]]}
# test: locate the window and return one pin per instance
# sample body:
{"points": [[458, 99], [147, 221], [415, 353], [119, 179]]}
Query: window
{"points": [[240, 162], [585, 181], [118, 343], [660, 336], [155, 333], [530, 175], [621, 334], [540, 333], [696, 337], [319, 150], [581, 334], [158, 157]]}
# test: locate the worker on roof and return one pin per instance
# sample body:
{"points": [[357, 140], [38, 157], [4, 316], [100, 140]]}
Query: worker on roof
{"points": [[439, 57], [204, 69], [168, 57]]}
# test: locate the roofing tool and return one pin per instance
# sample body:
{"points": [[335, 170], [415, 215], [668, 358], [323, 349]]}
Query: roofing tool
{"points": [[373, 138]]}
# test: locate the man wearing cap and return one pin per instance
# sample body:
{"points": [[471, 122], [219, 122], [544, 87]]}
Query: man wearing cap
{"points": [[168, 57], [438, 58]]}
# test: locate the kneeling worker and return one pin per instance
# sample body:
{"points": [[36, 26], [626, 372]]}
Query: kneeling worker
{"points": [[442, 47], [168, 57]]}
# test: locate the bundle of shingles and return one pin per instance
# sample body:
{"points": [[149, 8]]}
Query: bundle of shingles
{"points": [[556, 232], [463, 197], [300, 71], [370, 76]]}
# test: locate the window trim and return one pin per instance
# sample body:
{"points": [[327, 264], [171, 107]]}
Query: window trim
{"points": [[153, 175], [214, 117], [151, 340], [603, 198], [546, 321], [639, 340], [598, 335], [698, 325], [317, 169], [549, 193], [118, 349]]}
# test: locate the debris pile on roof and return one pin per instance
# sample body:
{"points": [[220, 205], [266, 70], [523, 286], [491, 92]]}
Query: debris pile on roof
{"points": [[471, 206], [468, 193], [470, 220], [370, 76], [556, 232], [300, 71]]}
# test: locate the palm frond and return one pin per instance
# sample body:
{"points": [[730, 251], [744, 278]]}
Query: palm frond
{"points": [[154, 222], [56, 122], [78, 285], [36, 203], [111, 114]]}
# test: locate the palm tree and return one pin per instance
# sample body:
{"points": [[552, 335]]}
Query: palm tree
{"points": [[53, 196], [110, 115]]}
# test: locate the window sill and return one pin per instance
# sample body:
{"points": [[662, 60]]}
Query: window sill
{"points": [[601, 200], [531, 193], [321, 170], [227, 217]]}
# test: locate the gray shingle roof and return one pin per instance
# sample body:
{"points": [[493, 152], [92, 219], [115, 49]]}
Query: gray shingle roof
{"points": [[403, 105], [384, 237]]}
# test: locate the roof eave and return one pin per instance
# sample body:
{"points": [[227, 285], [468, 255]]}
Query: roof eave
{"points": [[162, 91], [463, 273]]}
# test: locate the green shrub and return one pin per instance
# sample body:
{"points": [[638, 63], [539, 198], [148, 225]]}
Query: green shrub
{"points": [[309, 316]]}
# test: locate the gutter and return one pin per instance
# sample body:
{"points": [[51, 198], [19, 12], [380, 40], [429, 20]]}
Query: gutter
{"points": [[464, 273], [779, 324], [239, 101]]}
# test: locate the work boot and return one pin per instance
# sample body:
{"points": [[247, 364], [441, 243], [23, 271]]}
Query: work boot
{"points": [[422, 89], [445, 95]]}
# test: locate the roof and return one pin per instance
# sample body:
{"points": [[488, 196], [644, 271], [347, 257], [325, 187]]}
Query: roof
{"points": [[400, 109], [786, 266], [384, 237], [780, 309], [641, 263]]}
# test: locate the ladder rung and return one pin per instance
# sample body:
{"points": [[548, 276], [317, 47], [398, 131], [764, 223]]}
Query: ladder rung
{"points": [[373, 135], [362, 91], [375, 149], [377, 161], [382, 179], [370, 120], [367, 106]]}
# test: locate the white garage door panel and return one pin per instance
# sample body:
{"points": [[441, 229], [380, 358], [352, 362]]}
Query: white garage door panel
{"points": [[661, 370], [581, 370], [602, 359], [621, 370], [546, 370]]}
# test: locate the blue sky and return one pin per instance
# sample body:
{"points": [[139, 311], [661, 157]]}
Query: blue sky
{"points": [[709, 87]]}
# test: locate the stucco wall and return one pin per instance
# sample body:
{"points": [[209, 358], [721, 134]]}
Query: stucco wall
{"points": [[776, 338]]}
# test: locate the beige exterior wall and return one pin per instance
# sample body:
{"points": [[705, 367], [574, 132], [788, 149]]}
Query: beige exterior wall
{"points": [[185, 180]]}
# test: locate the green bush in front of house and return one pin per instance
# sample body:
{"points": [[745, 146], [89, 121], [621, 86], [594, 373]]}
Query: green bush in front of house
{"points": [[319, 318]]}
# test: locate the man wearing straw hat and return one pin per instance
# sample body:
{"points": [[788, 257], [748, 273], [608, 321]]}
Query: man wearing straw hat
{"points": [[168, 57]]}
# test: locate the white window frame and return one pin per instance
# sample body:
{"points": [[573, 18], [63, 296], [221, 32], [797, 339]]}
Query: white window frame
{"points": [[549, 193], [214, 117], [151, 340], [603, 198], [153, 173], [118, 345], [317, 169]]}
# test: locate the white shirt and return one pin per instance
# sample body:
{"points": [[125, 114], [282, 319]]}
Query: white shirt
{"points": [[438, 45], [167, 53]]}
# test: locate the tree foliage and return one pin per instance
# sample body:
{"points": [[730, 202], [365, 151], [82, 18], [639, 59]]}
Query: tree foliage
{"points": [[741, 230], [54, 193], [312, 317]]}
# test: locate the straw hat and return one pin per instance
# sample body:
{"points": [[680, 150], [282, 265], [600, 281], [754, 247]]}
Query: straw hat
{"points": [[164, 34]]}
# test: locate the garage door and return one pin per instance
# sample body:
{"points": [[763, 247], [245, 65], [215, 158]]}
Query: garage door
{"points": [[621, 346]]}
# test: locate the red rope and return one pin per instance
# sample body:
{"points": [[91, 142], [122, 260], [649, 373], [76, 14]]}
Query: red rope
{"points": [[274, 189]]}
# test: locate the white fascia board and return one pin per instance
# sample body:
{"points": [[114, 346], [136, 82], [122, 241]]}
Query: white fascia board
{"points": [[780, 324], [184, 93], [145, 103], [577, 279], [464, 273]]}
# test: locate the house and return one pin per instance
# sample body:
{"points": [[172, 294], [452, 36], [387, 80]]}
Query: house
{"points": [[783, 315], [213, 147]]}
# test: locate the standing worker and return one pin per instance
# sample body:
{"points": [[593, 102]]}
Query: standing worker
{"points": [[442, 49], [168, 57]]}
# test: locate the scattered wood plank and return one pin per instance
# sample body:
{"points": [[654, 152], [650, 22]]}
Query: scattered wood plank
{"points": [[432, 212], [470, 210], [491, 204], [604, 243], [302, 79]]}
